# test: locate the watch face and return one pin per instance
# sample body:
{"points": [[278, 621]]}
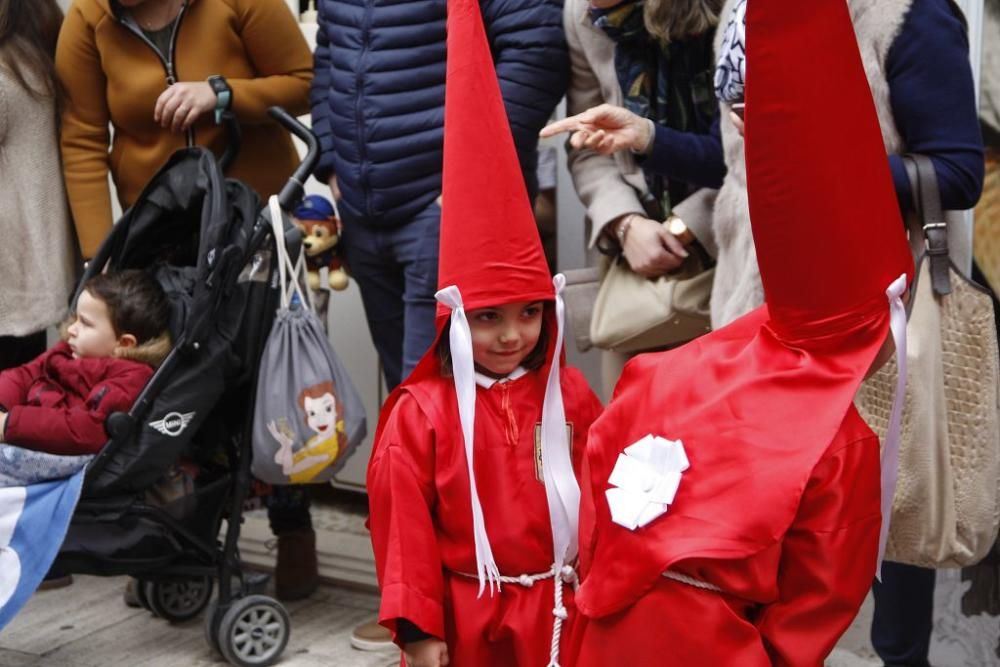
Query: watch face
{"points": [[218, 84]]}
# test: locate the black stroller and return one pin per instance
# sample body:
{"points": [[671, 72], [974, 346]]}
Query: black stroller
{"points": [[207, 242]]}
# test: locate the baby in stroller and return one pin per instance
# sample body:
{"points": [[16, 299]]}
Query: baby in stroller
{"points": [[205, 241], [58, 402]]}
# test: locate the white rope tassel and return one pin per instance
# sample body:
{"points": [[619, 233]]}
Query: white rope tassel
{"points": [[562, 491], [566, 575], [463, 371], [890, 453], [562, 575]]}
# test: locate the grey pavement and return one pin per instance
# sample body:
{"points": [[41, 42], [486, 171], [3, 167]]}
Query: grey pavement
{"points": [[87, 625]]}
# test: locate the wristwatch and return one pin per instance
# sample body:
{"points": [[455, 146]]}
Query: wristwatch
{"points": [[677, 227], [223, 95]]}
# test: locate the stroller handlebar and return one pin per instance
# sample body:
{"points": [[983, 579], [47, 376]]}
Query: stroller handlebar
{"points": [[292, 192]]}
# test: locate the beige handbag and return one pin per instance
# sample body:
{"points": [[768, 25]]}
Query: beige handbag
{"points": [[580, 293], [947, 504], [632, 313]]}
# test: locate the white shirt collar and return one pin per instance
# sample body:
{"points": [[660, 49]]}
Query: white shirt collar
{"points": [[486, 381]]}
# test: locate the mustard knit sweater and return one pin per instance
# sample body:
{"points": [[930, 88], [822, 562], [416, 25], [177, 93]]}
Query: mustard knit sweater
{"points": [[113, 77]]}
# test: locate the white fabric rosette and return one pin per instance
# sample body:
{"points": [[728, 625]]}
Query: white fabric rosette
{"points": [[645, 480]]}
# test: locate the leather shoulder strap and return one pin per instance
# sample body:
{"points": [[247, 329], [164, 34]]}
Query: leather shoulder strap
{"points": [[928, 228], [934, 225]]}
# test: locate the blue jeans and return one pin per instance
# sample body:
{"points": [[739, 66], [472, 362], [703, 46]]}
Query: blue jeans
{"points": [[904, 608], [396, 269]]}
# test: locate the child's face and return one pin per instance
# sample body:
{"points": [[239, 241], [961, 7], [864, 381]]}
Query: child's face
{"points": [[91, 334], [502, 336]]}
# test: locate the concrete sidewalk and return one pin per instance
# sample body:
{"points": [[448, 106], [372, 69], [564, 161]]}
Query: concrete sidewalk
{"points": [[87, 625]]}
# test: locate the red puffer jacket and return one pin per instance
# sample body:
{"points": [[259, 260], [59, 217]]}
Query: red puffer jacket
{"points": [[58, 404]]}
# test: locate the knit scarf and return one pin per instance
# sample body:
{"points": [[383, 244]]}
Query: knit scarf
{"points": [[669, 84]]}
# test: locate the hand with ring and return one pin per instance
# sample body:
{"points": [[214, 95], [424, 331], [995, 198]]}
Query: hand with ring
{"points": [[180, 105]]}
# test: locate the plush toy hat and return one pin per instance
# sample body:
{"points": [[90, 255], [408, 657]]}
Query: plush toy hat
{"points": [[757, 403], [315, 207], [491, 254]]}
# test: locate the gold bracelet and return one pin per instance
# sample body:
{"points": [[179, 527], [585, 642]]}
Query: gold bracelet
{"points": [[621, 229]]}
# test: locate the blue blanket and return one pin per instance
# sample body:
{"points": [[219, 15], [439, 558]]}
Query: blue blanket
{"points": [[38, 493]]}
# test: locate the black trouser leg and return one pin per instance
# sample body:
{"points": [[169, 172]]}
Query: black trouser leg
{"points": [[288, 509], [904, 612]]}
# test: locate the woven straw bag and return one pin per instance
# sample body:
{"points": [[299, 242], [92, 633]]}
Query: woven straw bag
{"points": [[947, 504]]}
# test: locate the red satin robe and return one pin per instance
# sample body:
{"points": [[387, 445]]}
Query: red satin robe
{"points": [[421, 518], [785, 605]]}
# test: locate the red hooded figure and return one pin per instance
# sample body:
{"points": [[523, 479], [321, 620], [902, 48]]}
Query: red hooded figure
{"points": [[472, 483], [731, 507]]}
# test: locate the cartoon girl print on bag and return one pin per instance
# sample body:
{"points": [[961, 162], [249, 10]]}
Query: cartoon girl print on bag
{"points": [[323, 414]]}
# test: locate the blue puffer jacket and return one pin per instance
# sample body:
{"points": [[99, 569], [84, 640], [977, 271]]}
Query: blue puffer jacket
{"points": [[378, 95]]}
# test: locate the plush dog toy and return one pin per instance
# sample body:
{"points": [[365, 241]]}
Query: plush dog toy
{"points": [[317, 219]]}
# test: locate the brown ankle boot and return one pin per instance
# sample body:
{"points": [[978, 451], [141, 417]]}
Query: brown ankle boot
{"points": [[296, 575]]}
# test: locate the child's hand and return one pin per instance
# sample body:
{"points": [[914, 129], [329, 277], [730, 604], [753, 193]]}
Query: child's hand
{"points": [[3, 424], [426, 653]]}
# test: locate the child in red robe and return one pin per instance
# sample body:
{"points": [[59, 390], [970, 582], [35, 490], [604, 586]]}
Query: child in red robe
{"points": [[733, 511], [472, 483]]}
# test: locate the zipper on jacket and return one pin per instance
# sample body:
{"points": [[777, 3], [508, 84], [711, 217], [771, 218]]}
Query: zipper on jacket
{"points": [[168, 62], [359, 112]]}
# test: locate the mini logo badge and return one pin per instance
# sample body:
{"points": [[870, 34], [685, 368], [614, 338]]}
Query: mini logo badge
{"points": [[173, 424]]}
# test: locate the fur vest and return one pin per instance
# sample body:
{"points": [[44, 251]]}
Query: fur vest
{"points": [[737, 289]]}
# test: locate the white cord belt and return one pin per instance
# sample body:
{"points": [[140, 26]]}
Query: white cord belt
{"points": [[691, 581], [566, 576]]}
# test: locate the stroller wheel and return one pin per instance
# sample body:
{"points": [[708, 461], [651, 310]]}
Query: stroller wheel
{"points": [[139, 586], [254, 631], [213, 619], [179, 598]]}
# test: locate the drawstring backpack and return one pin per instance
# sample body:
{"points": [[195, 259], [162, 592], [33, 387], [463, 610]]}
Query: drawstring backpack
{"points": [[308, 416]]}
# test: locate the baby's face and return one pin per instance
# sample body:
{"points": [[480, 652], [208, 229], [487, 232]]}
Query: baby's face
{"points": [[91, 334]]}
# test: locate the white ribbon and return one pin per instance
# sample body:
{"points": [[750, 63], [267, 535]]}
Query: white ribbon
{"points": [[561, 487], [464, 375], [646, 477], [890, 453]]}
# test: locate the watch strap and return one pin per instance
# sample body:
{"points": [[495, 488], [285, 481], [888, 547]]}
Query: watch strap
{"points": [[223, 95]]}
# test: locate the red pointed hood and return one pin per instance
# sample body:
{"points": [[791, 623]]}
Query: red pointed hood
{"points": [[490, 247], [824, 212], [757, 403]]}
